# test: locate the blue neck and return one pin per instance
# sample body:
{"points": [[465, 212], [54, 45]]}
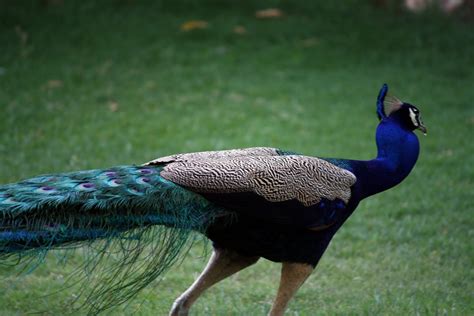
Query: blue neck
{"points": [[398, 150]]}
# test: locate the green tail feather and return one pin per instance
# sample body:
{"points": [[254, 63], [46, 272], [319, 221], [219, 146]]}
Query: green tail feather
{"points": [[143, 223]]}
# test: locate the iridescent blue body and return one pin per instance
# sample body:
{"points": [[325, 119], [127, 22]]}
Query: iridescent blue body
{"points": [[296, 228]]}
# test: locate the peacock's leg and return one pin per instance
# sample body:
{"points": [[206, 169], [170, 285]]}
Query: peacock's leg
{"points": [[293, 276], [222, 264]]}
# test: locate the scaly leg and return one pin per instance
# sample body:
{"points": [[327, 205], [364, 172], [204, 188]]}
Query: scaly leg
{"points": [[222, 264], [293, 276]]}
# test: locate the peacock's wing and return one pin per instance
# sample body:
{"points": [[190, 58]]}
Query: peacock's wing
{"points": [[275, 178]]}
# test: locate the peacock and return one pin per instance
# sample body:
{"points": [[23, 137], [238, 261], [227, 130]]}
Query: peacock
{"points": [[251, 203]]}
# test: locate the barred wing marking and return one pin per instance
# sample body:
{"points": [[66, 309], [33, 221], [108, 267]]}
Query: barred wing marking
{"points": [[276, 178]]}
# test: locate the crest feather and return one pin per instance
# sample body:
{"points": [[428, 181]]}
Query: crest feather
{"points": [[391, 104]]}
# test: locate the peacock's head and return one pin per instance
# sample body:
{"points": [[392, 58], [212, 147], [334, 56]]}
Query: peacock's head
{"points": [[407, 114]]}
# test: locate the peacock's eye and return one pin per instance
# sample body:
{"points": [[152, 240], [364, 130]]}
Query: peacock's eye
{"points": [[415, 116]]}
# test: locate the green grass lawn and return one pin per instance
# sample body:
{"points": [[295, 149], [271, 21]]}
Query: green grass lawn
{"points": [[95, 84]]}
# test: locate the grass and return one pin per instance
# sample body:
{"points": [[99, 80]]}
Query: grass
{"points": [[95, 84]]}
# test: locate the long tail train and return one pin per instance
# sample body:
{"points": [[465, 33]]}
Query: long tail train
{"points": [[142, 220]]}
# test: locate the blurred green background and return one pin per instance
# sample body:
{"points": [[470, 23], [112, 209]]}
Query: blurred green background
{"points": [[91, 84]]}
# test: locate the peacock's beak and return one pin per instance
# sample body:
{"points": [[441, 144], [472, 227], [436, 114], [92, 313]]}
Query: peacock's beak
{"points": [[423, 129]]}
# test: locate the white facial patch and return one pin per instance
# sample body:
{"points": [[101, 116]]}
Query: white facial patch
{"points": [[413, 117]]}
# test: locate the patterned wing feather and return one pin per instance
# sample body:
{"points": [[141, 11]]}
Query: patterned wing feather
{"points": [[276, 178]]}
